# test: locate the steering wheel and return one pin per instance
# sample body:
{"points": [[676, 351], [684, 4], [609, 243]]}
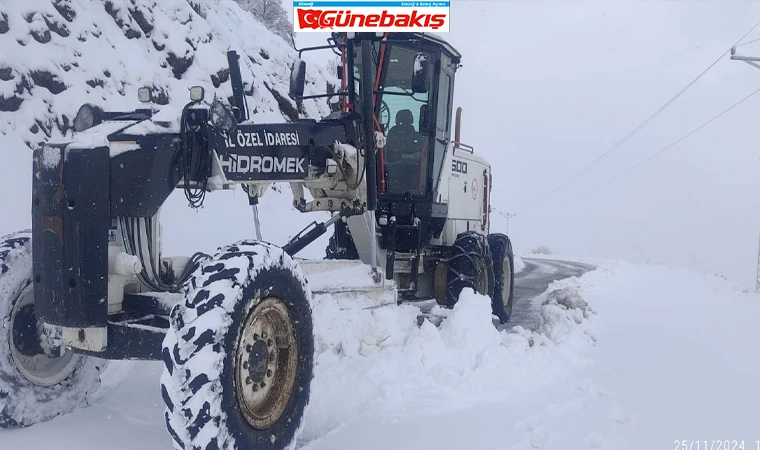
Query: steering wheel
{"points": [[385, 121]]}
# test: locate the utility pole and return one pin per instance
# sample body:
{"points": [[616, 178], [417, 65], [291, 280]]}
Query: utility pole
{"points": [[752, 61], [509, 216], [757, 276]]}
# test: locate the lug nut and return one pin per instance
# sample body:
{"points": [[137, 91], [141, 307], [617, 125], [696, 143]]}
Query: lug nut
{"points": [[269, 373], [249, 348], [263, 385], [271, 355], [249, 381], [255, 336], [269, 343], [255, 387], [245, 364], [264, 335]]}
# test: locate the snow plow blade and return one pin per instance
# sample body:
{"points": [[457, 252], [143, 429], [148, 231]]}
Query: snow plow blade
{"points": [[349, 282]]}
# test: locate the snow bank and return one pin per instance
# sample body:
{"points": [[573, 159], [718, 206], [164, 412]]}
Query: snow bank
{"points": [[562, 308], [519, 264], [379, 362], [624, 357]]}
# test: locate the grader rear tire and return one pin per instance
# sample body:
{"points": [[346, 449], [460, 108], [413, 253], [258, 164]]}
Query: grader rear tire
{"points": [[504, 269], [239, 353], [470, 265]]}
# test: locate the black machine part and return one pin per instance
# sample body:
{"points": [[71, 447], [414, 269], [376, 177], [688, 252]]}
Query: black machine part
{"points": [[301, 240]]}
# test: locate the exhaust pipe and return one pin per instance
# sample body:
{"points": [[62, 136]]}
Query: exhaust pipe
{"points": [[458, 126]]}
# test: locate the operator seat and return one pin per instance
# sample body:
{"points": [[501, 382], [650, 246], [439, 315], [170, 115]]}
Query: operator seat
{"points": [[402, 154]]}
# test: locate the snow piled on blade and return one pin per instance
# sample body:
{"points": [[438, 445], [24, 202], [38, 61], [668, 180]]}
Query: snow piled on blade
{"points": [[380, 362]]}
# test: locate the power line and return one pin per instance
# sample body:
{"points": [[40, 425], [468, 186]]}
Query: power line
{"points": [[651, 157], [747, 43], [621, 142]]}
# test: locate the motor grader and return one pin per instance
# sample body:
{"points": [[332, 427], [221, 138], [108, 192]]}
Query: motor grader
{"points": [[409, 209]]}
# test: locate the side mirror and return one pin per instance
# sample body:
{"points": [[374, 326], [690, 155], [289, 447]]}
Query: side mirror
{"points": [[421, 73], [87, 117], [297, 79]]}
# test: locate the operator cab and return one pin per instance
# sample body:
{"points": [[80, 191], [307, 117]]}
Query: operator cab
{"points": [[413, 79], [413, 103]]}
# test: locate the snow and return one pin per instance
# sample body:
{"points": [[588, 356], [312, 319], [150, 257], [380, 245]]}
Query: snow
{"points": [[51, 157], [191, 359], [611, 349], [519, 264], [126, 264], [93, 137], [348, 150], [624, 357], [103, 58], [573, 259], [117, 148], [325, 275], [20, 400]]}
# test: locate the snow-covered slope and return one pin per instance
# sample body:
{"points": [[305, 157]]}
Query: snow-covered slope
{"points": [[626, 357], [58, 54]]}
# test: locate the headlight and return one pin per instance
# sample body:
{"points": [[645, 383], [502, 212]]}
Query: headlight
{"points": [[87, 117], [144, 95], [222, 117], [197, 94]]}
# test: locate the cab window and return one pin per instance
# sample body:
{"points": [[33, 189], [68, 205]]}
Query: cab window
{"points": [[401, 117]]}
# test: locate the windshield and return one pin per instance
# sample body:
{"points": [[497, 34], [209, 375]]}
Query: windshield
{"points": [[400, 115], [402, 120]]}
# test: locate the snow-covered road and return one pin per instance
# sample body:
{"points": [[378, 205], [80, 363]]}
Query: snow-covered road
{"points": [[624, 357]]}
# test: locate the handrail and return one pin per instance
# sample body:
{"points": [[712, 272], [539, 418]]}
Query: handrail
{"points": [[465, 146]]}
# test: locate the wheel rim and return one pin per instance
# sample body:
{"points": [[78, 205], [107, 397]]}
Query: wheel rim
{"points": [[483, 281], [266, 363], [38, 361], [506, 284]]}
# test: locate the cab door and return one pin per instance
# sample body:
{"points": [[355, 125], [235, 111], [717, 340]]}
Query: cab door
{"points": [[443, 120]]}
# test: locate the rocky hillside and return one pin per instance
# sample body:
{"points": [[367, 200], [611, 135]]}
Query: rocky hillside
{"points": [[58, 54]]}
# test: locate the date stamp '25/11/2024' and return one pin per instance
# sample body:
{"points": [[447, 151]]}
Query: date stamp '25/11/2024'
{"points": [[726, 444]]}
